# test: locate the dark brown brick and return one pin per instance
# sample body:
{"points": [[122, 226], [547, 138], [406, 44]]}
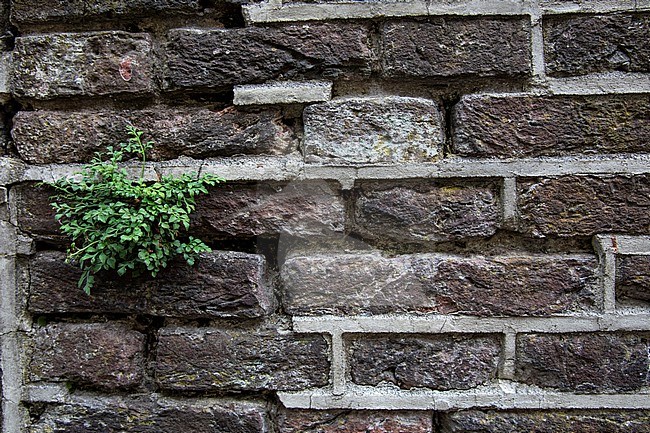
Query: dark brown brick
{"points": [[595, 362], [146, 415], [209, 359], [528, 126], [83, 64], [303, 209], [633, 278], [221, 284], [442, 47], [337, 421], [99, 355], [426, 212], [43, 137], [217, 59], [592, 421], [438, 362], [34, 214], [582, 44], [584, 205], [424, 283], [26, 12]]}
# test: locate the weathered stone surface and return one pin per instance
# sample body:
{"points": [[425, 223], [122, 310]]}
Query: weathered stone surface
{"points": [[633, 277], [25, 12], [98, 355], [331, 421], [303, 209], [528, 126], [594, 362], [217, 59], [442, 47], [43, 137], [83, 64], [439, 362], [426, 212], [584, 205], [34, 214], [373, 130], [582, 44], [139, 415], [204, 359], [221, 284], [426, 283], [592, 421]]}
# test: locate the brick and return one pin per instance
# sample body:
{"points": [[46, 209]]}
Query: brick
{"points": [[303, 209], [529, 126], [427, 283], [583, 44], [83, 64], [330, 421], [107, 356], [373, 130], [26, 12], [426, 212], [43, 137], [209, 359], [633, 278], [443, 47], [583, 362], [584, 205], [145, 415], [221, 284], [440, 362], [592, 421], [34, 214], [217, 59]]}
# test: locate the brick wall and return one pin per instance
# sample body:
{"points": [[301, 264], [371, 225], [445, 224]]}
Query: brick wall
{"points": [[437, 216]]}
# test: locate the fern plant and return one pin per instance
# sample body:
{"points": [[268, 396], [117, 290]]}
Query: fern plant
{"points": [[120, 224]]}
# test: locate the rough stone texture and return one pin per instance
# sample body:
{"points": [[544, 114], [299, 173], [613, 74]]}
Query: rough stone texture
{"points": [[25, 12], [438, 362], [140, 415], [208, 359], [424, 283], [303, 209], [43, 137], [373, 130], [576, 44], [441, 47], [98, 355], [221, 284], [34, 215], [593, 421], [528, 126], [593, 362], [331, 421], [83, 64], [217, 59], [633, 277], [584, 205], [426, 212]]}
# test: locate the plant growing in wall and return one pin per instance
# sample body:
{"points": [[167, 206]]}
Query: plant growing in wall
{"points": [[126, 225]]}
